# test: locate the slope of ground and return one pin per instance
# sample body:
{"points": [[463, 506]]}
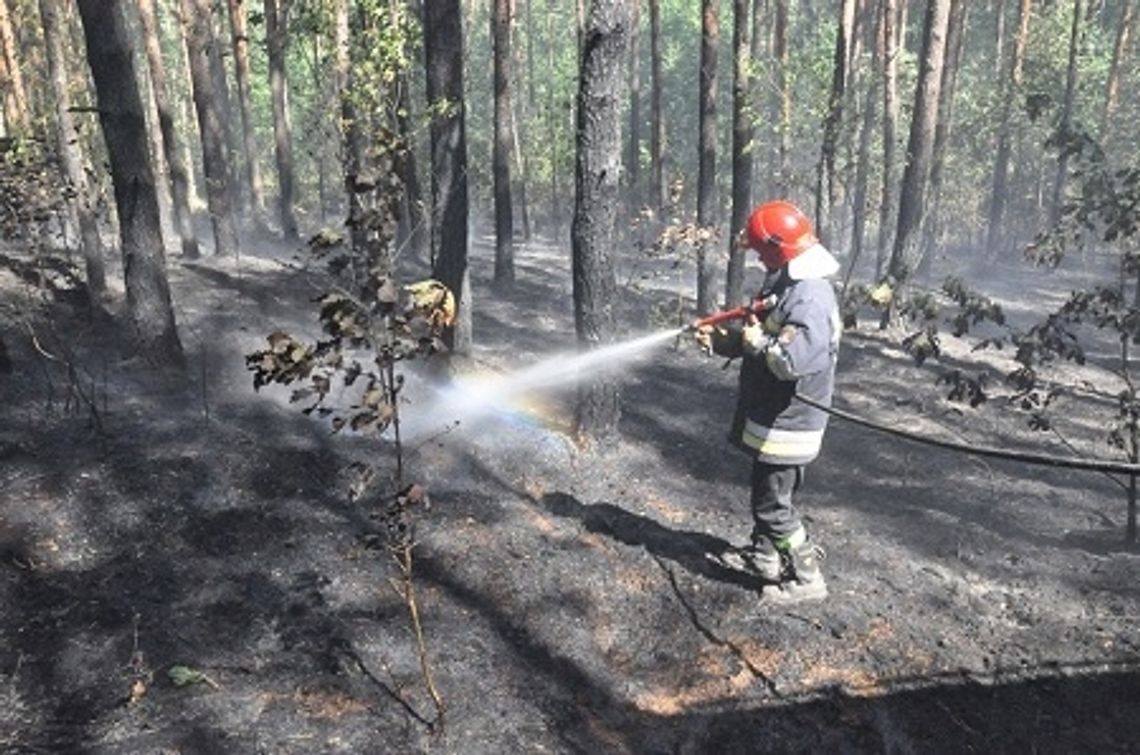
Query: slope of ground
{"points": [[566, 595]]}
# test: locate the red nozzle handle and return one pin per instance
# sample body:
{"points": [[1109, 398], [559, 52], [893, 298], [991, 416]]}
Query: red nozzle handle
{"points": [[757, 307]]}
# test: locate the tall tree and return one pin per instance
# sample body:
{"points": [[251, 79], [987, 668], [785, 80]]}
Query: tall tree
{"points": [[656, 117], [520, 118], [889, 40], [70, 157], [179, 188], [276, 36], [825, 172], [552, 114], [741, 148], [16, 116], [633, 159], [416, 215], [1118, 66], [239, 34], [501, 152], [215, 152], [783, 95], [863, 159], [352, 140], [443, 55], [708, 200], [955, 39], [1065, 126], [920, 145], [598, 140], [996, 216], [124, 131]]}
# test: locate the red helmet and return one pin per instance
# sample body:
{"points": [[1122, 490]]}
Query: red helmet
{"points": [[779, 232]]}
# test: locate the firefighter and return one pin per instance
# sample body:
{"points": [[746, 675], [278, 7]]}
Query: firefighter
{"points": [[790, 351]]}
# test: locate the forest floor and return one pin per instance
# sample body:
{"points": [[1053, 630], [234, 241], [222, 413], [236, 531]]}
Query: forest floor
{"points": [[566, 597]]}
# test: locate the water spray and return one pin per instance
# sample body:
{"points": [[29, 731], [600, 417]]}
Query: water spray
{"points": [[467, 400]]}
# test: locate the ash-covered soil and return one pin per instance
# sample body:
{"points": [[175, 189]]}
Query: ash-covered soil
{"points": [[565, 595]]}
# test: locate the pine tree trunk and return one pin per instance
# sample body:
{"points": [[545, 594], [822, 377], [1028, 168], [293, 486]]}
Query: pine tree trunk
{"points": [[501, 152], [995, 233], [551, 121], [239, 28], [1119, 65], [16, 115], [215, 151], [920, 145], [179, 190], [520, 121], [825, 173], [890, 42], [656, 116], [443, 54], [783, 104], [863, 160], [741, 157], [598, 408], [633, 158], [70, 157], [351, 138], [1066, 124], [955, 37], [276, 31], [124, 130], [418, 221], [707, 198], [236, 181]]}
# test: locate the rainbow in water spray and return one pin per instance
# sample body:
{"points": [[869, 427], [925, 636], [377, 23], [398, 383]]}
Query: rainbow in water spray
{"points": [[469, 400]]}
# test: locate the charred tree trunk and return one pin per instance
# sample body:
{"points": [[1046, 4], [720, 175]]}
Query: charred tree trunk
{"points": [[707, 199], [656, 117], [1065, 126], [351, 138], [417, 215], [276, 30], [596, 180], [783, 100], [633, 159], [863, 160], [741, 155], [179, 189], [215, 151], [70, 156], [124, 130], [501, 152], [825, 173], [890, 52], [995, 233], [920, 146], [239, 29], [443, 54]]}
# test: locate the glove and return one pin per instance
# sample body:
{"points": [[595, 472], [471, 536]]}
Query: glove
{"points": [[753, 338], [703, 336]]}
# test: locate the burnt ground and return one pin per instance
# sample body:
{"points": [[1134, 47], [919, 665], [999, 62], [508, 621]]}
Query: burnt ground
{"points": [[567, 603]]}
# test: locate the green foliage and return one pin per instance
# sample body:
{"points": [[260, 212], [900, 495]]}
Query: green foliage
{"points": [[185, 676], [365, 339]]}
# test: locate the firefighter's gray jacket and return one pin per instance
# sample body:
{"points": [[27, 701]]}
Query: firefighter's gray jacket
{"points": [[804, 328]]}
